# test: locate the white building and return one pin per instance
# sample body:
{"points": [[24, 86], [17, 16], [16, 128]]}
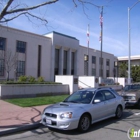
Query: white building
{"points": [[135, 60], [49, 55]]}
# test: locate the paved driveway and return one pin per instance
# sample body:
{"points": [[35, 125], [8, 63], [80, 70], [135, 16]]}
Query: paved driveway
{"points": [[110, 129]]}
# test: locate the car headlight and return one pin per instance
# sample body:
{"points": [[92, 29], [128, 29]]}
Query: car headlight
{"points": [[133, 98], [66, 115]]}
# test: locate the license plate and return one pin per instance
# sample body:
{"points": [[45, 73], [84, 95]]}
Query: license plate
{"points": [[48, 121]]}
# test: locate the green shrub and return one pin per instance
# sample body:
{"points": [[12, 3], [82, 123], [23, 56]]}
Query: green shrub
{"points": [[41, 79], [138, 79], [23, 78], [31, 79], [117, 83]]}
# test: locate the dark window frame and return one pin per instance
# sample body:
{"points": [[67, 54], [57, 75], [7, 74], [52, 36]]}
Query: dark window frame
{"points": [[21, 46], [72, 62], [65, 62], [20, 68], [93, 59], [39, 61], [107, 73], [57, 55], [2, 43], [93, 74], [2, 67], [108, 62], [101, 61]]}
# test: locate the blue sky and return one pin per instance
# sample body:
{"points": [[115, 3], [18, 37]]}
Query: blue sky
{"points": [[64, 18]]}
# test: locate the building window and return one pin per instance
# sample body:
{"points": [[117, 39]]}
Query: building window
{"points": [[65, 63], [39, 61], [101, 62], [93, 60], [72, 62], [107, 62], [93, 72], [2, 43], [56, 61], [101, 72], [1, 67], [20, 68], [85, 68], [21, 46], [107, 73]]}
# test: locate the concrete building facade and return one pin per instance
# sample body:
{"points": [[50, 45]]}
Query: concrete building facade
{"points": [[49, 55]]}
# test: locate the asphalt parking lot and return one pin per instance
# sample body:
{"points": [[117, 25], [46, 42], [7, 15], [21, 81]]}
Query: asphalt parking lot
{"points": [[110, 129]]}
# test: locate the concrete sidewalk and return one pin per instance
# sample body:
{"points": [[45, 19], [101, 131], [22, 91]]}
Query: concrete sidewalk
{"points": [[14, 118]]}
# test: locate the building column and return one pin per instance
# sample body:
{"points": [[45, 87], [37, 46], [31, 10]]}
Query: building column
{"points": [[76, 63], [61, 61], [69, 62], [53, 62]]}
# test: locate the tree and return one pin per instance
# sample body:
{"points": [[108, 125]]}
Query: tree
{"points": [[11, 9], [135, 73], [10, 61], [123, 69]]}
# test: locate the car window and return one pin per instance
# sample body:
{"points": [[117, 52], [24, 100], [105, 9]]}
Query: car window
{"points": [[99, 96], [80, 97], [127, 87], [108, 95], [115, 92]]}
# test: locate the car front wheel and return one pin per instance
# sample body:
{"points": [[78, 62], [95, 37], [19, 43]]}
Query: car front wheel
{"points": [[139, 104], [119, 112], [84, 123]]}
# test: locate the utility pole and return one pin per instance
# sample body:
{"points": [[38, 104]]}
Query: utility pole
{"points": [[101, 39], [129, 43], [87, 49]]}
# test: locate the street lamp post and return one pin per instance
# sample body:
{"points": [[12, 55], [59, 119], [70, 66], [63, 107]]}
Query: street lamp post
{"points": [[129, 42]]}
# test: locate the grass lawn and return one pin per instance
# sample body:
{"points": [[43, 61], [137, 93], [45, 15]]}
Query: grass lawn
{"points": [[28, 102]]}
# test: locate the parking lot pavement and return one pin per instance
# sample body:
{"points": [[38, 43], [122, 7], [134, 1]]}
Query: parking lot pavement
{"points": [[110, 129]]}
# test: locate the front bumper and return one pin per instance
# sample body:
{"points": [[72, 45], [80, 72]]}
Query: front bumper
{"points": [[130, 103], [58, 123]]}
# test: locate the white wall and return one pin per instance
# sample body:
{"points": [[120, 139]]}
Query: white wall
{"points": [[88, 81], [11, 91], [69, 80], [31, 55]]}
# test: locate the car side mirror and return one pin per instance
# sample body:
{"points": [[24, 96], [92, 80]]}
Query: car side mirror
{"points": [[97, 101]]}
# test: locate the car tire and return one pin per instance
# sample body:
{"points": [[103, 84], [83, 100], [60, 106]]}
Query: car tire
{"points": [[119, 112], [84, 123], [139, 104]]}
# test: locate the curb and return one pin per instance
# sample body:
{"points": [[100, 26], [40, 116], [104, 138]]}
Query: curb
{"points": [[19, 129]]}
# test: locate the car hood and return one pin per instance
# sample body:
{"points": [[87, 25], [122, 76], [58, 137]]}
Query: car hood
{"points": [[65, 107], [128, 93]]}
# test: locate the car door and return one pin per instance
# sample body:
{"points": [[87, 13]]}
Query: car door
{"points": [[110, 102], [98, 108]]}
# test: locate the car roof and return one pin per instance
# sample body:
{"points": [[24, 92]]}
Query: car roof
{"points": [[94, 89]]}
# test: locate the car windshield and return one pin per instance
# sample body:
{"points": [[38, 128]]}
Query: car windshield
{"points": [[131, 87], [127, 87], [84, 97]]}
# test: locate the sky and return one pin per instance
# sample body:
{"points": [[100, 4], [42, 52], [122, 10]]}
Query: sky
{"points": [[65, 18]]}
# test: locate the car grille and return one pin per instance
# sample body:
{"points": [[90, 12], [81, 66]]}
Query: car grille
{"points": [[51, 115], [53, 122]]}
